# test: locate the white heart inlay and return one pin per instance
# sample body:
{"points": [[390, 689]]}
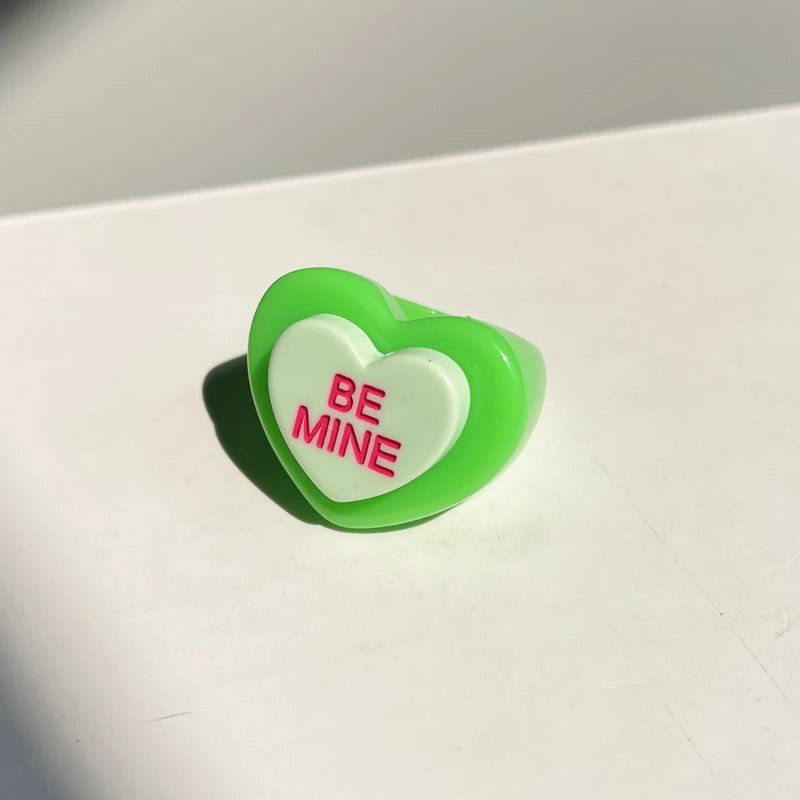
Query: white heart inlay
{"points": [[361, 423]]}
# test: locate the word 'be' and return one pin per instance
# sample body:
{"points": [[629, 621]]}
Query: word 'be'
{"points": [[338, 436]]}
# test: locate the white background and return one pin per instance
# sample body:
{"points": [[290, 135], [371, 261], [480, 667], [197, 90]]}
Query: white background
{"points": [[617, 616]]}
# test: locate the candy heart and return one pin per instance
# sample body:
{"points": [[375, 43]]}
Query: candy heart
{"points": [[359, 423], [448, 401]]}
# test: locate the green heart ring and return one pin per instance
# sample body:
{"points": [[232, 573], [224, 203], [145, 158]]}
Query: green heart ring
{"points": [[383, 411]]}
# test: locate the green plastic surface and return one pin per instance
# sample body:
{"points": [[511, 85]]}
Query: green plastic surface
{"points": [[505, 373]]}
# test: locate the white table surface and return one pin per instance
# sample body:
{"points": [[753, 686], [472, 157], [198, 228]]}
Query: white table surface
{"points": [[618, 615]]}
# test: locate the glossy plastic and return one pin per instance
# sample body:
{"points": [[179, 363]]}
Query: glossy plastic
{"points": [[505, 373]]}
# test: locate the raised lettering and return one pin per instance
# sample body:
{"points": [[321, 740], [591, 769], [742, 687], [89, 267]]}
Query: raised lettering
{"points": [[364, 401], [360, 449], [340, 397], [378, 452], [301, 425]]}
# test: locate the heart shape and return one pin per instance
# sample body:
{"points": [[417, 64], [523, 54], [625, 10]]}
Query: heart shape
{"points": [[361, 423], [483, 385]]}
